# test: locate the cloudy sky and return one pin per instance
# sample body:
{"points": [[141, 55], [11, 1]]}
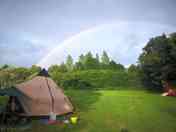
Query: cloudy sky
{"points": [[44, 31]]}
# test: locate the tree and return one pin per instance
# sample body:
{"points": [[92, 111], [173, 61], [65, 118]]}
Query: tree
{"points": [[5, 66], [69, 63], [35, 69], [90, 61], [78, 66], [21, 73], [57, 68], [11, 76], [158, 60], [105, 58], [133, 68], [97, 58], [63, 68], [134, 75], [114, 66], [7, 78], [81, 59]]}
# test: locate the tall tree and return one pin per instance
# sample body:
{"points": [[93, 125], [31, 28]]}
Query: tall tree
{"points": [[133, 68], [90, 61], [69, 63], [105, 58], [97, 58], [78, 66], [113, 65], [81, 59], [158, 60], [57, 68]]}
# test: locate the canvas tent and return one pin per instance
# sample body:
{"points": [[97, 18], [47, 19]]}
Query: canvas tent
{"points": [[40, 96]]}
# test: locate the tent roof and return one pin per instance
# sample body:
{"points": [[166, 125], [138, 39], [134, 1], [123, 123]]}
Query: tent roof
{"points": [[41, 96]]}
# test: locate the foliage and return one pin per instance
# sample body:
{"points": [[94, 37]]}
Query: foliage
{"points": [[90, 62], [69, 63], [87, 73], [35, 69], [94, 79], [158, 61], [105, 58], [87, 62], [114, 66], [7, 78], [90, 72], [10, 76], [76, 83], [4, 67], [134, 74], [58, 68]]}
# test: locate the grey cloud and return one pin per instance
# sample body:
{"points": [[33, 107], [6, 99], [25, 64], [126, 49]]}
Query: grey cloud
{"points": [[14, 50]]}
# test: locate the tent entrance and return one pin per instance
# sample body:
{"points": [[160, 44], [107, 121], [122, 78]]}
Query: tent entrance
{"points": [[14, 105]]}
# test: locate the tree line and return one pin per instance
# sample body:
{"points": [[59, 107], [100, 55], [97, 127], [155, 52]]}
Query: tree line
{"points": [[93, 72], [80, 73], [87, 62], [156, 65]]}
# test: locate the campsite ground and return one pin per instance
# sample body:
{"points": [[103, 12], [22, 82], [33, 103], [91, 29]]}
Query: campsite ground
{"points": [[117, 111]]}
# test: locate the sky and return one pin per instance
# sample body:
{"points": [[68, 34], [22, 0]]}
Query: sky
{"points": [[44, 32]]}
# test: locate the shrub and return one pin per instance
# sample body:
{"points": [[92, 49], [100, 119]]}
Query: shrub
{"points": [[93, 79]]}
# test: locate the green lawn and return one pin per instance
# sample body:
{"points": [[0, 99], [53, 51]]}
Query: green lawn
{"points": [[113, 110]]}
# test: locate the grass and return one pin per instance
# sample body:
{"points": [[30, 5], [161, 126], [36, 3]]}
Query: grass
{"points": [[3, 100], [118, 111]]}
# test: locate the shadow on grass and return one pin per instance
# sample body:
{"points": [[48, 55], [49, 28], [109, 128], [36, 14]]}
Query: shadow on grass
{"points": [[82, 100], [170, 111], [122, 88]]}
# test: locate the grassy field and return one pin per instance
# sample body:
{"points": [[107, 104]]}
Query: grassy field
{"points": [[119, 110]]}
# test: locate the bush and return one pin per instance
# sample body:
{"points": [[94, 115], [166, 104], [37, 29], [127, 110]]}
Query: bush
{"points": [[76, 83], [93, 79]]}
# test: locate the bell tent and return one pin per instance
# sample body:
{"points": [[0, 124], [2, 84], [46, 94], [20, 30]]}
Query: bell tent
{"points": [[41, 96]]}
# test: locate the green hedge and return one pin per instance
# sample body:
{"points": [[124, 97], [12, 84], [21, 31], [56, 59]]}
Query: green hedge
{"points": [[93, 79]]}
